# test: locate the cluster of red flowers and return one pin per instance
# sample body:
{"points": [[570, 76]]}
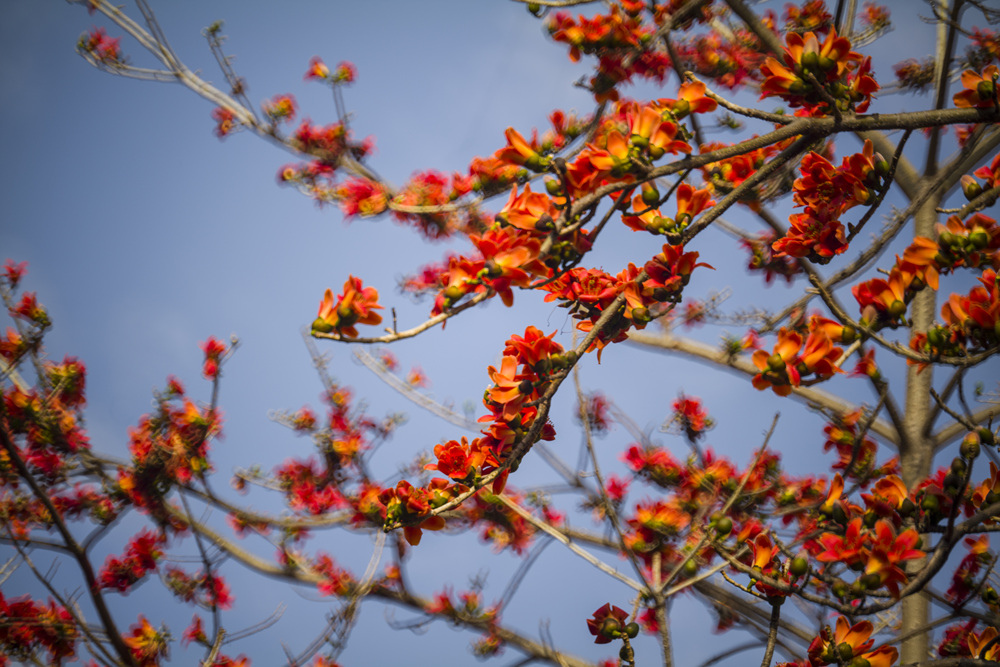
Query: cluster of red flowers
{"points": [[344, 73], [620, 40], [915, 76], [763, 258], [140, 559], [791, 362], [826, 193], [168, 448], [355, 305], [691, 418], [27, 626], [848, 645], [727, 174], [103, 49], [815, 74], [970, 322], [857, 453], [280, 109]]}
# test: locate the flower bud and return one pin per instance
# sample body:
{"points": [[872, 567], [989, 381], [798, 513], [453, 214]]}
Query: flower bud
{"points": [[969, 448], [321, 326], [971, 187], [846, 651], [641, 316], [610, 627], [639, 141], [650, 195], [775, 362], [985, 90]]}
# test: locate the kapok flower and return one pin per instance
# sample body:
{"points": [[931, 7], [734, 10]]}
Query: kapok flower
{"points": [[880, 299], [458, 460], [980, 89], [849, 642], [690, 99], [607, 623], [510, 387], [346, 72], [225, 121], [520, 152], [887, 551], [146, 643], [317, 69], [529, 210], [280, 109], [983, 646], [356, 305], [778, 369]]}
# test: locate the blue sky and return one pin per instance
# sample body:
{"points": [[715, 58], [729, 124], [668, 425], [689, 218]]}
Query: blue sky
{"points": [[145, 235]]}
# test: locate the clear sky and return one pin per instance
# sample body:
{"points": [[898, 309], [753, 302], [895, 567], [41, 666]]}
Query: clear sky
{"points": [[145, 235]]}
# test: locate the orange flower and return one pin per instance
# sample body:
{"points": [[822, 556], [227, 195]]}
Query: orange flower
{"points": [[979, 645], [980, 89], [147, 643], [520, 152], [887, 551], [355, 306], [317, 69], [690, 99], [880, 299], [778, 369], [526, 210], [509, 388]]}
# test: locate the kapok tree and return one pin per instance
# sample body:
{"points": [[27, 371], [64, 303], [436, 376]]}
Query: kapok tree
{"points": [[878, 536]]}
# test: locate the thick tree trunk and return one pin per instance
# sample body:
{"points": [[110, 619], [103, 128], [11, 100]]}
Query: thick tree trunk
{"points": [[916, 451]]}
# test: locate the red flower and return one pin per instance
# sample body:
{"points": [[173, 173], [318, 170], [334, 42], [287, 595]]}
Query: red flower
{"points": [[317, 69], [356, 305], [147, 643], [225, 121], [607, 623], [214, 351]]}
